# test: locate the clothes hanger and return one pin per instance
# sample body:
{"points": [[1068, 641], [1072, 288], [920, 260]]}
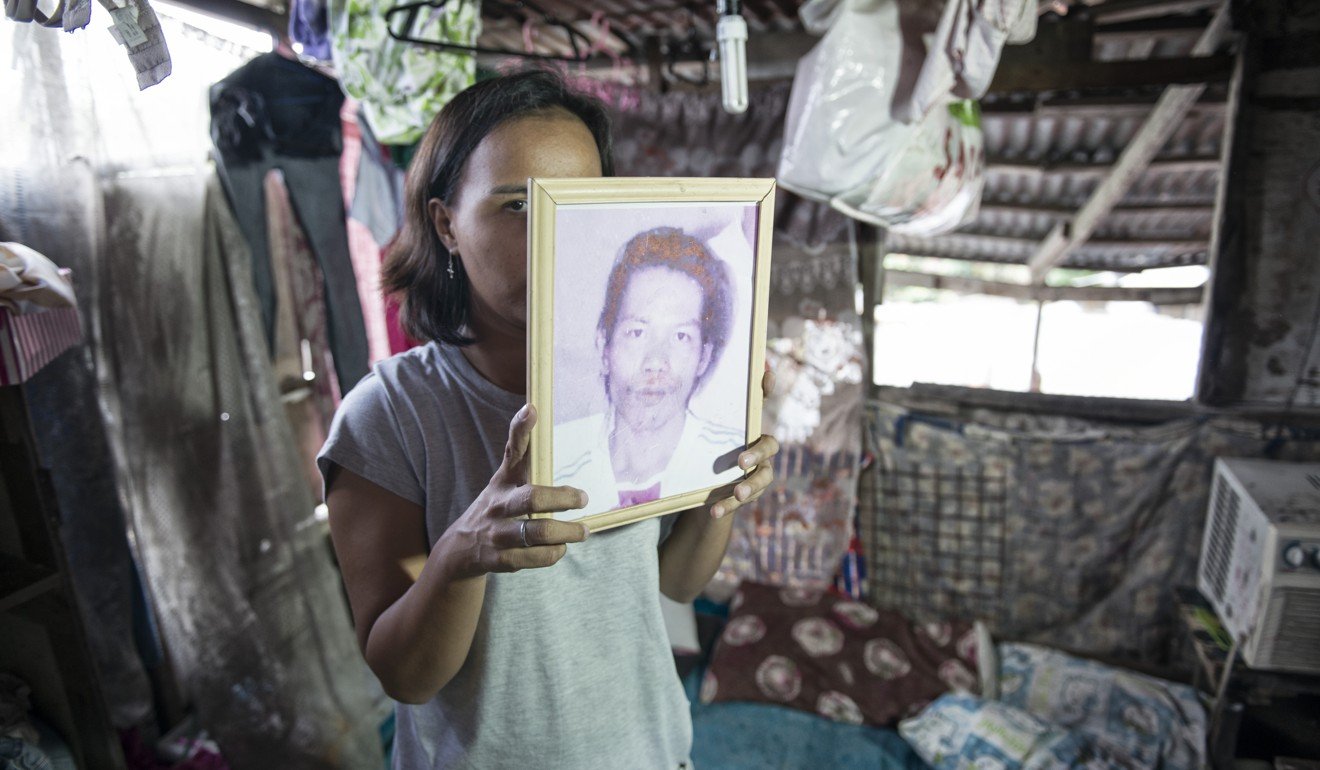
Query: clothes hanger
{"points": [[580, 43], [691, 47]]}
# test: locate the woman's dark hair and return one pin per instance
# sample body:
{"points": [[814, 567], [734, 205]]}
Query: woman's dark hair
{"points": [[435, 306], [673, 249]]}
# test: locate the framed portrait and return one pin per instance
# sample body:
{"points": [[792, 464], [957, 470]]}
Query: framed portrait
{"points": [[646, 338]]}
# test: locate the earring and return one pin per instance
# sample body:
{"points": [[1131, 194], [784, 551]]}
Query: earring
{"points": [[450, 269]]}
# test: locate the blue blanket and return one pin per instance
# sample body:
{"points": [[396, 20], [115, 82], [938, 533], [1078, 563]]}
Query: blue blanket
{"points": [[758, 736]]}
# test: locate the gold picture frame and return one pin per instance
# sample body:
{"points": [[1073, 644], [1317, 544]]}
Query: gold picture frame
{"points": [[593, 217]]}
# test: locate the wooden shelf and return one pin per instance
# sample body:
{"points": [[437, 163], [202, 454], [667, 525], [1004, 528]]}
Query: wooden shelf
{"points": [[44, 642], [21, 581]]}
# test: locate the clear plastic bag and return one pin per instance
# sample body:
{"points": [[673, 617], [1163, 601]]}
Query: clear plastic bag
{"points": [[964, 51], [932, 185], [878, 122], [839, 132]]}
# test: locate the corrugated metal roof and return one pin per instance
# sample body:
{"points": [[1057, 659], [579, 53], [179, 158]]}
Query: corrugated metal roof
{"points": [[630, 22], [1047, 153], [1044, 163]]}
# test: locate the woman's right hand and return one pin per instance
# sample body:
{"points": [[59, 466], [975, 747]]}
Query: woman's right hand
{"points": [[488, 537]]}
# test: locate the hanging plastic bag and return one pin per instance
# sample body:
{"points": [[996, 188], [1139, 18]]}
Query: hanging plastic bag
{"points": [[873, 126], [934, 183], [839, 132], [964, 51]]}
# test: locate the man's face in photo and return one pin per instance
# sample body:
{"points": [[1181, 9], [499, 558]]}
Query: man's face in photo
{"points": [[656, 353]]}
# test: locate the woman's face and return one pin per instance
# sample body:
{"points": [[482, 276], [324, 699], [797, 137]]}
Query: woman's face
{"points": [[486, 219]]}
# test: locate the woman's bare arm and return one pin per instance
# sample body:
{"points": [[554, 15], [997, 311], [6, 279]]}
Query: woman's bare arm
{"points": [[416, 634], [696, 546]]}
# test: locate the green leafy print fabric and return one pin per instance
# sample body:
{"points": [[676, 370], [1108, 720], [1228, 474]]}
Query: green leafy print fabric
{"points": [[402, 85]]}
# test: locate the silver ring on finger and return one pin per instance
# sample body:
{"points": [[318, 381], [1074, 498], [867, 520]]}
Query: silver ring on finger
{"points": [[522, 530]]}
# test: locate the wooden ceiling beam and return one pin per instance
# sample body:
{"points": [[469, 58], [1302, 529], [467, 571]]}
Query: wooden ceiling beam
{"points": [[1165, 165], [272, 19], [1036, 293], [1000, 261], [1157, 28], [1068, 212], [1024, 245], [1115, 11], [1035, 76], [1089, 107]]}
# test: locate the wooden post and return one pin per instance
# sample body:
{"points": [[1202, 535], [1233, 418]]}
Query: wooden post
{"points": [[1034, 386], [868, 242]]}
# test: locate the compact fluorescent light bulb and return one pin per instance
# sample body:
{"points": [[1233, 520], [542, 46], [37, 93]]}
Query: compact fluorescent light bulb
{"points": [[731, 32]]}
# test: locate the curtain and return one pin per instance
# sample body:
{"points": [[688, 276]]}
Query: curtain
{"points": [[1066, 532], [114, 184]]}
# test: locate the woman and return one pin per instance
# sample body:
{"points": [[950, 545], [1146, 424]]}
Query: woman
{"points": [[518, 644]]}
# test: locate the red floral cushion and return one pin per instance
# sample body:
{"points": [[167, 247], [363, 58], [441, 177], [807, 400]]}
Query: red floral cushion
{"points": [[836, 657]]}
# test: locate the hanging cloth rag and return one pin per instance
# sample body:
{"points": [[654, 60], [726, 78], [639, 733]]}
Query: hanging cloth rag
{"points": [[137, 29], [28, 281]]}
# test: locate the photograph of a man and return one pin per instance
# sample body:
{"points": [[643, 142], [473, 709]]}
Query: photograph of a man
{"points": [[661, 332]]}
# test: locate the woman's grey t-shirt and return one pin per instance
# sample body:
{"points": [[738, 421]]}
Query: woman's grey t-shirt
{"points": [[570, 666]]}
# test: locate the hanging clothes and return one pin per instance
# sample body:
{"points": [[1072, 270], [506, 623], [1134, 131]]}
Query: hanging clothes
{"points": [[277, 113], [402, 85], [250, 604], [377, 196], [374, 197], [309, 26], [135, 27], [304, 367], [138, 30]]}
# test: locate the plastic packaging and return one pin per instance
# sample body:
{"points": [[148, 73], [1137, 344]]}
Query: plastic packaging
{"points": [[838, 133], [964, 51], [932, 185], [880, 123]]}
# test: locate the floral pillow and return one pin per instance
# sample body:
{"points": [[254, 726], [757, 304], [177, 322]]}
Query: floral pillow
{"points": [[836, 657], [1156, 722], [960, 731]]}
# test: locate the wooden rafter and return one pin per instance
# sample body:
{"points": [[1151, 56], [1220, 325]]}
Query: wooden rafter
{"points": [[1048, 76], [1073, 106], [1169, 165], [966, 241], [1115, 11], [1027, 292], [1066, 213], [1168, 113]]}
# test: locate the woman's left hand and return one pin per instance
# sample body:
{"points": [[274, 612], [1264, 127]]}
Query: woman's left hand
{"points": [[758, 455]]}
